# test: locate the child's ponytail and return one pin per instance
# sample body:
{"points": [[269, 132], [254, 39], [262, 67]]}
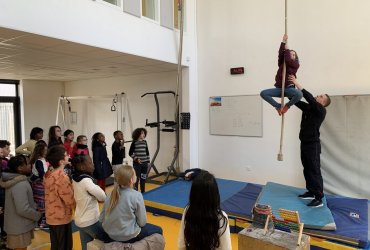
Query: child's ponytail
{"points": [[114, 198], [122, 178]]}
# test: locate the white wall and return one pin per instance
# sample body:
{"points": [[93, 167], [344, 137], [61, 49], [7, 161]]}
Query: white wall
{"points": [[40, 102], [141, 108], [96, 24], [331, 39]]}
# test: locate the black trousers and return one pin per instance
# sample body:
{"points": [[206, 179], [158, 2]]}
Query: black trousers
{"points": [[141, 171], [310, 157], [61, 237]]}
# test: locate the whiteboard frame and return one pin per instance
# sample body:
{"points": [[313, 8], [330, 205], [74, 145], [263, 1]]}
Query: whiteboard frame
{"points": [[260, 135]]}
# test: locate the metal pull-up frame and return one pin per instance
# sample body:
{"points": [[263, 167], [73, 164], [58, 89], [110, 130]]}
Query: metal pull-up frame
{"points": [[174, 128]]}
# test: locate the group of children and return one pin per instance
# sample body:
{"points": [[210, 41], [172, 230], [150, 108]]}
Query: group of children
{"points": [[123, 218], [46, 173]]}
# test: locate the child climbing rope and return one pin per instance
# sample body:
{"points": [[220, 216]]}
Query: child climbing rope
{"points": [[290, 58]]}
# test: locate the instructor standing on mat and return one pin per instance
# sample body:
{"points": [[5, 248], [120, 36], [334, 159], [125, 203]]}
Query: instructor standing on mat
{"points": [[313, 114]]}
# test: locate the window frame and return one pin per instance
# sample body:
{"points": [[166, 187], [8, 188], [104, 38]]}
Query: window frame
{"points": [[118, 7], [17, 109], [157, 14]]}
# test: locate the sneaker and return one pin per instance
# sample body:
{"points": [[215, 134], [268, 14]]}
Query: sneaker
{"points": [[315, 203], [279, 111], [284, 109], [307, 196]]}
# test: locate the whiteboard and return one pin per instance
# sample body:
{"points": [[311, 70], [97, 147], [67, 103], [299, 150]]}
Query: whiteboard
{"points": [[235, 115]]}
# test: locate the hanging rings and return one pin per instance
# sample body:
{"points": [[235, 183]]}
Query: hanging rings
{"points": [[114, 101]]}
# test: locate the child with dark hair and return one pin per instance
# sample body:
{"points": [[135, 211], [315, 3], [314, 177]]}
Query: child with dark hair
{"points": [[103, 168], [5, 154], [118, 149], [28, 147], [80, 147], [20, 213], [41, 142], [204, 225], [55, 136], [87, 194], [139, 152], [59, 201], [69, 135], [291, 60], [124, 216], [39, 168]]}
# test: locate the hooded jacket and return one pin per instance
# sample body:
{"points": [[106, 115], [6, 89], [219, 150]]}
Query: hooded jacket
{"points": [[87, 194], [59, 201], [20, 209], [80, 149]]}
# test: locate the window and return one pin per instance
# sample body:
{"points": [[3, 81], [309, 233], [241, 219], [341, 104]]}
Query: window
{"points": [[10, 113], [176, 23], [114, 2], [176, 14], [8, 90], [150, 9]]}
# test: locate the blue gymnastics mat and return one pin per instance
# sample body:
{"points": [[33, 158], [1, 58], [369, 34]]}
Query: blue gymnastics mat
{"points": [[352, 220], [282, 196], [241, 204], [237, 198]]}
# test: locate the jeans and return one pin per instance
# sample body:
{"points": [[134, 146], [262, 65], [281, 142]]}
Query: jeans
{"points": [[292, 93], [89, 233], [145, 231], [140, 171]]}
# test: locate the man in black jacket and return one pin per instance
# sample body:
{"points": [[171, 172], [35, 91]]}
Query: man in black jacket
{"points": [[313, 114]]}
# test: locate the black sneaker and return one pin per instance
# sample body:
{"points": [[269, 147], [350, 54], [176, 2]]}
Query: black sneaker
{"points": [[307, 196], [315, 203]]}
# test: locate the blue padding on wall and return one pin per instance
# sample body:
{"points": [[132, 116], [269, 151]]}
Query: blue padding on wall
{"points": [[282, 196]]}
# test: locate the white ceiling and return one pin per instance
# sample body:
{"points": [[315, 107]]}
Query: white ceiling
{"points": [[29, 56]]}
